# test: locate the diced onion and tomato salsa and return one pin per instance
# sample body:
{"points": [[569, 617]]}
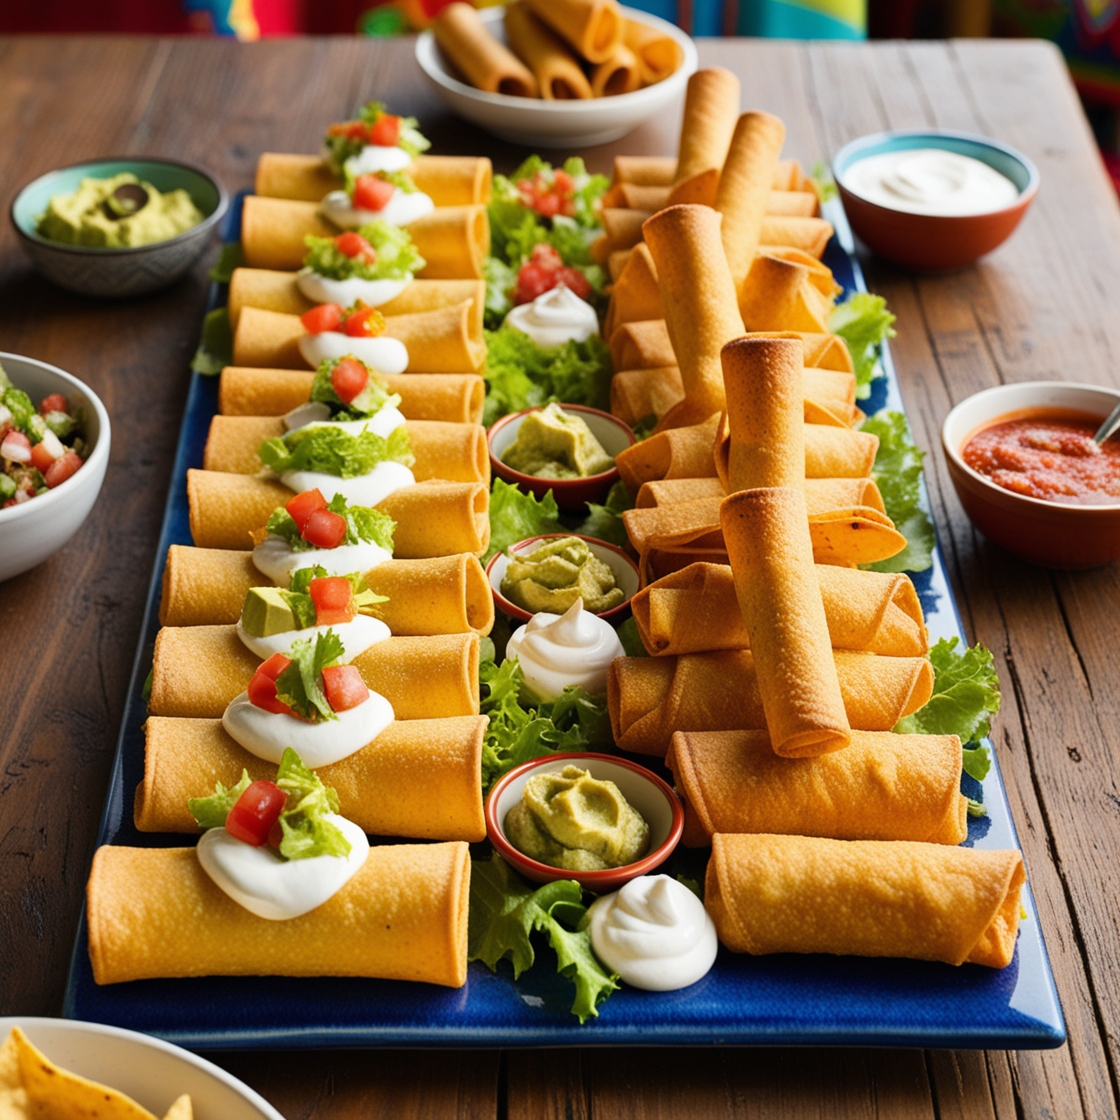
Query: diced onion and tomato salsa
{"points": [[38, 450]]}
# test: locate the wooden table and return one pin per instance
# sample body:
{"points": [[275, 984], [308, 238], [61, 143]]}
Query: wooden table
{"points": [[1043, 306]]}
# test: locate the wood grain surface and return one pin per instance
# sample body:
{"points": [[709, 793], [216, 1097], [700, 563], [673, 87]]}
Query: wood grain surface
{"points": [[1042, 306]]}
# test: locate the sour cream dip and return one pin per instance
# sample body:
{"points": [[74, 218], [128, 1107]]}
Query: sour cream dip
{"points": [[378, 157], [362, 490], [402, 209], [277, 560], [356, 636], [930, 181], [386, 355], [373, 293], [555, 317]]}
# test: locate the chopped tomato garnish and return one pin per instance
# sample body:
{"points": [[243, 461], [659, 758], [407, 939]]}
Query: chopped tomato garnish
{"points": [[255, 812], [53, 402], [302, 506], [549, 198], [366, 322], [576, 281], [324, 529], [371, 192], [325, 317], [348, 379], [333, 599], [16, 446], [544, 269], [61, 469], [262, 687], [533, 281], [385, 131], [352, 130], [343, 687], [355, 246], [274, 666], [41, 458]]}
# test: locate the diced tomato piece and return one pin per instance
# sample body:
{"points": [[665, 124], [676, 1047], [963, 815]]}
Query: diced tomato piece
{"points": [[262, 686], [41, 458], [274, 666], [354, 245], [547, 256], [372, 192], [255, 812], [548, 205], [385, 131], [302, 506], [332, 596], [324, 529], [343, 687], [532, 281], [276, 835], [325, 317], [352, 130], [53, 402], [16, 446], [349, 378], [575, 281], [366, 322], [562, 182]]}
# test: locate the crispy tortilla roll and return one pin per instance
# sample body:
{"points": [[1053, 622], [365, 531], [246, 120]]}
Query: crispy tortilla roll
{"points": [[767, 536], [447, 180], [198, 670], [559, 77], [647, 171], [433, 518], [810, 235], [636, 196], [443, 595], [883, 787], [779, 295], [711, 108], [744, 187], [701, 313], [453, 452], [153, 912], [622, 229], [658, 54], [642, 345], [696, 609], [821, 350], [621, 73], [478, 56], [443, 340], [793, 204], [866, 898], [592, 28], [419, 778], [639, 393], [453, 397], [454, 240], [651, 697], [636, 294], [675, 453]]}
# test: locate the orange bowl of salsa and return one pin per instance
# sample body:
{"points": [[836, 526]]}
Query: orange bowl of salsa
{"points": [[1023, 464]]}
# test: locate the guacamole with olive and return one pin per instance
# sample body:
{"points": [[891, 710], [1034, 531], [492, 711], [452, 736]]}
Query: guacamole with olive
{"points": [[118, 213], [555, 574]]}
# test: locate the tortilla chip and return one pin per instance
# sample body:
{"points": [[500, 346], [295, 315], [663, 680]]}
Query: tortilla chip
{"points": [[181, 1109]]}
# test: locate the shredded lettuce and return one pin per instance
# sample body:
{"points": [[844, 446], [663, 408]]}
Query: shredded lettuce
{"points": [[215, 347], [863, 322], [505, 911], [898, 473], [230, 257], [334, 451], [300, 684], [370, 401], [363, 524], [823, 182], [516, 515], [397, 258]]}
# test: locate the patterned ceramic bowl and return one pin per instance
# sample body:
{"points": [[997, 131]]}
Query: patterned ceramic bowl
{"points": [[118, 273]]}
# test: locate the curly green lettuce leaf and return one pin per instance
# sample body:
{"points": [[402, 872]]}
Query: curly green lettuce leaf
{"points": [[215, 347], [364, 525], [864, 323], [304, 823], [823, 182], [505, 911], [501, 279], [300, 685], [604, 522], [516, 515], [230, 257], [211, 812], [397, 258], [334, 451], [370, 401], [898, 474]]}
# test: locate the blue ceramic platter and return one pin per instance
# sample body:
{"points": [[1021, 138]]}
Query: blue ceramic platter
{"points": [[775, 1000]]}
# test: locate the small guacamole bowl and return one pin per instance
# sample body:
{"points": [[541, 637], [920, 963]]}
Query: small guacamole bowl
{"points": [[118, 273], [929, 242], [652, 797], [571, 494], [624, 569]]}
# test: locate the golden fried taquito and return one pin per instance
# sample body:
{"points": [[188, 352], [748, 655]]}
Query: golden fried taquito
{"points": [[867, 898], [636, 295], [779, 294], [592, 28], [674, 453], [474, 51], [711, 108], [648, 171], [554, 65], [637, 394], [658, 54], [621, 73], [643, 344]]}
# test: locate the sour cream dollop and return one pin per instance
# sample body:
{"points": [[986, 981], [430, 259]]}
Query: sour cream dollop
{"points": [[373, 293], [382, 423], [930, 181], [387, 355], [555, 317], [556, 650], [356, 636], [402, 209], [378, 157], [274, 888], [276, 559], [363, 490], [655, 933], [266, 734]]}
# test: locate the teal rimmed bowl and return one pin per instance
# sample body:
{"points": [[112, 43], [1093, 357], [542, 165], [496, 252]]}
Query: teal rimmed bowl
{"points": [[929, 242], [118, 273]]}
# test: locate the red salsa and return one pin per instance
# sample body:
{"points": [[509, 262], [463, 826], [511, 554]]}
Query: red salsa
{"points": [[1050, 457]]}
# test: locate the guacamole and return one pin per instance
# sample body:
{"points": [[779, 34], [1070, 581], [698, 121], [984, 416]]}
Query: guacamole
{"points": [[574, 821], [117, 213], [554, 575], [553, 443]]}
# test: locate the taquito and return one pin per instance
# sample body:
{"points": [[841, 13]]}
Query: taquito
{"points": [[779, 295], [592, 28], [821, 350], [658, 54], [651, 697], [696, 609], [675, 453], [621, 73], [419, 778], [153, 912], [453, 452], [821, 494], [454, 397], [867, 898], [711, 108], [443, 595], [810, 235], [556, 68], [882, 787], [637, 394], [636, 295], [472, 49], [642, 345], [198, 670], [637, 196], [649, 171], [433, 518]]}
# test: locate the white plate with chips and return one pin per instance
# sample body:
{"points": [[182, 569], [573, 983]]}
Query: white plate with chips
{"points": [[152, 1072]]}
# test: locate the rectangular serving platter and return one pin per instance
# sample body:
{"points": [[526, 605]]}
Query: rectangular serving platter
{"points": [[773, 1000]]}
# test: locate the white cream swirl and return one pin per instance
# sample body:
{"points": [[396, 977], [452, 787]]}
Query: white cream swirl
{"points": [[576, 647], [655, 933], [386, 355], [354, 289], [555, 317], [402, 209]]}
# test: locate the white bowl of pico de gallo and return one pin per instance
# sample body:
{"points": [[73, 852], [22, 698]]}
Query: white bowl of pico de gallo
{"points": [[54, 450]]}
